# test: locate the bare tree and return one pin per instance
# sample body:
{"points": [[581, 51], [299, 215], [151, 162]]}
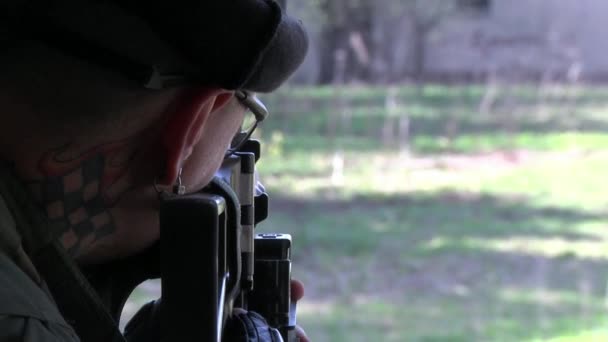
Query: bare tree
{"points": [[347, 30], [367, 33], [424, 16]]}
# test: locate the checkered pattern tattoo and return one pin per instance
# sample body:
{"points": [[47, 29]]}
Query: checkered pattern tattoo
{"points": [[76, 202]]}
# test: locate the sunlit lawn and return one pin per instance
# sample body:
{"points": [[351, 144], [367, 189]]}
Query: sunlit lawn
{"points": [[513, 255], [490, 235]]}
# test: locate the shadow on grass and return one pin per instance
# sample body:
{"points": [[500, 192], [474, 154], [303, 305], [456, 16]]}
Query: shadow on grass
{"points": [[422, 216], [428, 317], [375, 258]]}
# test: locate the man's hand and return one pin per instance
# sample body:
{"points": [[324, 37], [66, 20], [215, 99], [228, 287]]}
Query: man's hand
{"points": [[297, 292], [251, 326]]}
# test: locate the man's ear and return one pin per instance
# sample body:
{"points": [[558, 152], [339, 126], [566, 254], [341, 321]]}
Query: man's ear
{"points": [[184, 126]]}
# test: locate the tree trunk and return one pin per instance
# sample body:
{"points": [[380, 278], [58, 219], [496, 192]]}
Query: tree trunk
{"points": [[418, 52], [349, 30], [333, 40]]}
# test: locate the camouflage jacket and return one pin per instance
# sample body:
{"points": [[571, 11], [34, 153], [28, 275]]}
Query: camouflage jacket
{"points": [[27, 309]]}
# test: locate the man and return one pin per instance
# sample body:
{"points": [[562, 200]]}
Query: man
{"points": [[100, 101]]}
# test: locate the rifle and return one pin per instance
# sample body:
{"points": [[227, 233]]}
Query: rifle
{"points": [[210, 261]]}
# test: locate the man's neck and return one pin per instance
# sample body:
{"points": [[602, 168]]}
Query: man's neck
{"points": [[78, 187]]}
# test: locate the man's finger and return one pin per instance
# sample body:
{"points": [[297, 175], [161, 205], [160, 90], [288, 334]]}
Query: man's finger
{"points": [[301, 334], [297, 290]]}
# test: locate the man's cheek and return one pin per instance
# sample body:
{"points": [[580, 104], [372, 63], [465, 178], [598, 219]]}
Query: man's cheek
{"points": [[199, 169], [208, 153], [206, 159]]}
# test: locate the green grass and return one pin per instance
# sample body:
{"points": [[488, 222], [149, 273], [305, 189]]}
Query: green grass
{"points": [[497, 231], [464, 253], [591, 335]]}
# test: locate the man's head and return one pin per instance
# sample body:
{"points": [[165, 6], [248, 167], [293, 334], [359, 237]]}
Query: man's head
{"points": [[88, 135]]}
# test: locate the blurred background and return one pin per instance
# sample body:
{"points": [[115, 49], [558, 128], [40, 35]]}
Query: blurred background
{"points": [[441, 165]]}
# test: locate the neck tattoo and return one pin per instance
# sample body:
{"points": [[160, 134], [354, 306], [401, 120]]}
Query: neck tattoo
{"points": [[79, 189]]}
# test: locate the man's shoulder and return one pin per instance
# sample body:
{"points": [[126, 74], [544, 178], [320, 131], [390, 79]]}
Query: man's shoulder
{"points": [[26, 309]]}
